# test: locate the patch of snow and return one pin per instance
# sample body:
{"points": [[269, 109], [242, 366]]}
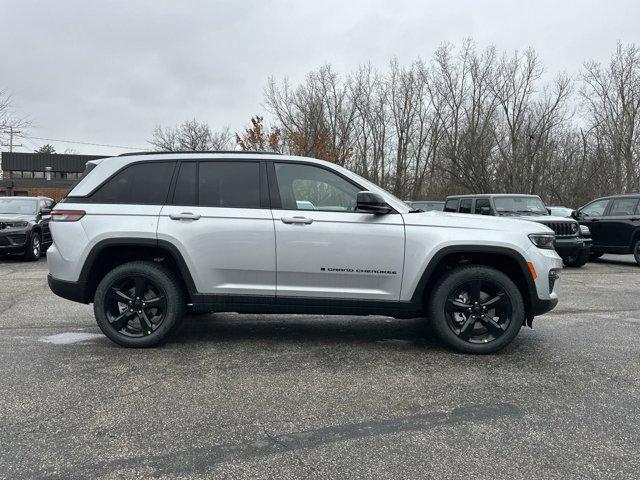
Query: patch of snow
{"points": [[68, 338]]}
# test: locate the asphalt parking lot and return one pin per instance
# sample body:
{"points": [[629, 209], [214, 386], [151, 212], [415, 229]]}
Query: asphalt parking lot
{"points": [[292, 396]]}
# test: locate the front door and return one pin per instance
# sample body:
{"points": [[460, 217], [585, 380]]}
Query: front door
{"points": [[219, 219], [324, 248], [591, 215]]}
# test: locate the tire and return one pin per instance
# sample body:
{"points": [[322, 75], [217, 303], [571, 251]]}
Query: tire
{"points": [[577, 260], [139, 304], [34, 249], [636, 252], [595, 255], [491, 336]]}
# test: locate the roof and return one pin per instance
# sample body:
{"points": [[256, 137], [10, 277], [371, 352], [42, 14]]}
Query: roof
{"points": [[485, 195], [36, 162], [237, 152]]}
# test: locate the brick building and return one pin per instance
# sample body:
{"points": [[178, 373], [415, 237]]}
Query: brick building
{"points": [[33, 174]]}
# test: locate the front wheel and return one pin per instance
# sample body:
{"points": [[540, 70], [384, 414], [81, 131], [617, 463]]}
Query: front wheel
{"points": [[138, 304], [476, 309], [34, 248], [577, 259]]}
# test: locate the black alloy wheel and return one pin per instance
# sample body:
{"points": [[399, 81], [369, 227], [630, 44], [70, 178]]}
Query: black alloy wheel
{"points": [[135, 306], [476, 309], [576, 259], [138, 304]]}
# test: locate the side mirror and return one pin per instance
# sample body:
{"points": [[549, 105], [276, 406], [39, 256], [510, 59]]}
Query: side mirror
{"points": [[575, 215], [45, 211], [371, 202], [548, 210]]}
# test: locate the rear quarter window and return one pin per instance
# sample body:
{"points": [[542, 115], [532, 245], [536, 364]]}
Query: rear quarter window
{"points": [[140, 183]]}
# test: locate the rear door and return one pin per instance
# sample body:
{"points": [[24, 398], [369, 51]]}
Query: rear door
{"points": [[219, 219], [619, 222], [326, 249]]}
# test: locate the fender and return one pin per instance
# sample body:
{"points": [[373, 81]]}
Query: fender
{"points": [[165, 245], [419, 292]]}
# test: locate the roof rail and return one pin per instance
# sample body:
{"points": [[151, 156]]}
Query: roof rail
{"points": [[251, 152]]}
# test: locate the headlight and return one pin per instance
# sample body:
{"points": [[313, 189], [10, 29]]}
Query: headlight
{"points": [[584, 231], [543, 240], [17, 224]]}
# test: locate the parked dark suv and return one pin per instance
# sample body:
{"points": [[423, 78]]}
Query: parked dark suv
{"points": [[24, 226], [614, 223], [570, 243]]}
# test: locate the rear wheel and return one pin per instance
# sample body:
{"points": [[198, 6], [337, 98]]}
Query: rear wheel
{"points": [[34, 248], [138, 304], [476, 309], [576, 259]]}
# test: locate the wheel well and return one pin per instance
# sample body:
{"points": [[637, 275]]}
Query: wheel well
{"points": [[500, 261], [112, 256], [634, 238]]}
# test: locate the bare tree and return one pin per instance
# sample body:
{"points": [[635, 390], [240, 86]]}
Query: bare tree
{"points": [[190, 135]]}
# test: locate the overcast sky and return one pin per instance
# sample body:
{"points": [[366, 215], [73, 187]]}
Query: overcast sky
{"points": [[107, 72]]}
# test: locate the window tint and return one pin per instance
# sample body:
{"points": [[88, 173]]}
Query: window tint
{"points": [[141, 183], [465, 205], [451, 205], [595, 209], [229, 184], [305, 187], [185, 192], [623, 206], [483, 206]]}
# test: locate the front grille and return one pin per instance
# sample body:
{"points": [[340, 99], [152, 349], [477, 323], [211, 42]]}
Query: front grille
{"points": [[563, 229], [3, 225], [553, 276]]}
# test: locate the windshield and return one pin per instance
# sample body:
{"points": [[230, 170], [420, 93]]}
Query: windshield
{"points": [[526, 205], [19, 206]]}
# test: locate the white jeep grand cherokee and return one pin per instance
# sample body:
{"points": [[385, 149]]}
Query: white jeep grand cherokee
{"points": [[145, 236]]}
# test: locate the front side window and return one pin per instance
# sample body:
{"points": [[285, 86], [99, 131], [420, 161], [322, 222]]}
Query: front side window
{"points": [[306, 187], [229, 184], [595, 209], [451, 205], [623, 206], [141, 183], [483, 206], [465, 205]]}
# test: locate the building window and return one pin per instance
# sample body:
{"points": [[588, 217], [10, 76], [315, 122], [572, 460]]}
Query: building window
{"points": [[38, 174], [20, 193]]}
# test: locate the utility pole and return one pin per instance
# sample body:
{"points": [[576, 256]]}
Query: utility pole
{"points": [[11, 132]]}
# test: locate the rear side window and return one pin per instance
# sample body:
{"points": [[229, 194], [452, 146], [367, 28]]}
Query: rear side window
{"points": [[229, 184], [141, 183], [451, 205], [185, 192], [465, 205], [623, 206]]}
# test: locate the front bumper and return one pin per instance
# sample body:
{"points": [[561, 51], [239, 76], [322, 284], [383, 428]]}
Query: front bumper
{"points": [[572, 245], [14, 240]]}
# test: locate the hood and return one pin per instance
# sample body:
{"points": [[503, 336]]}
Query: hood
{"points": [[14, 217], [545, 218], [477, 222]]}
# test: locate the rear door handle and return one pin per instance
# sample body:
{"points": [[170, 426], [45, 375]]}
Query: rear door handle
{"points": [[184, 216], [297, 220]]}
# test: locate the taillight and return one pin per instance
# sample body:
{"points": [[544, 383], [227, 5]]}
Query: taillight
{"points": [[67, 215]]}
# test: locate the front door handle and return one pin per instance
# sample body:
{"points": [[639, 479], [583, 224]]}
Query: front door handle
{"points": [[184, 216], [297, 220]]}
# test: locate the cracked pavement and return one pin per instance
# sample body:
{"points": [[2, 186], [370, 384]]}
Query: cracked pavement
{"points": [[295, 396]]}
